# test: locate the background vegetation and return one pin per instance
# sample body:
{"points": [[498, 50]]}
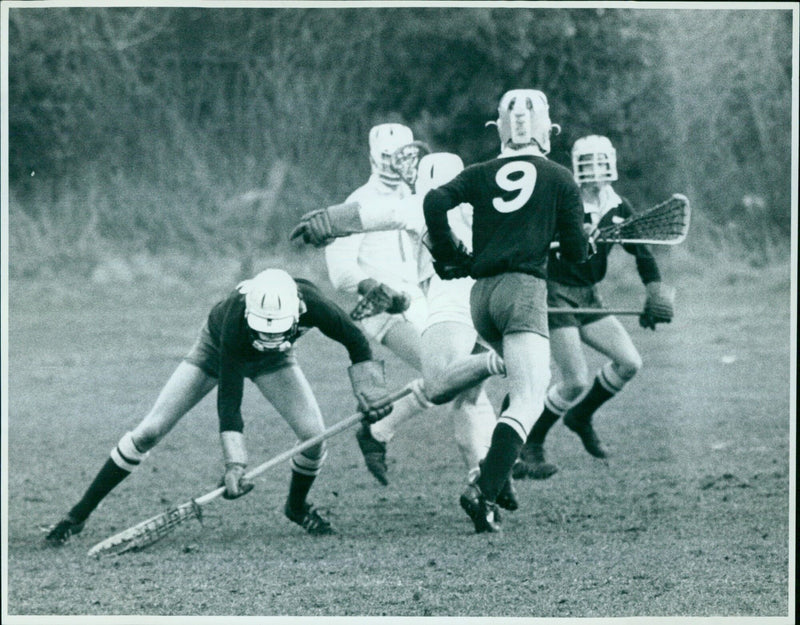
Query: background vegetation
{"points": [[209, 131]]}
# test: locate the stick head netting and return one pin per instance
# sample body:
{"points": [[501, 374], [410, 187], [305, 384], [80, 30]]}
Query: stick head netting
{"points": [[147, 532], [665, 224]]}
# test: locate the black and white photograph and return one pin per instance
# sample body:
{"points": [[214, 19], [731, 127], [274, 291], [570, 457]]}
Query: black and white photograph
{"points": [[362, 311]]}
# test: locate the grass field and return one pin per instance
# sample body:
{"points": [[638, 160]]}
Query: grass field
{"points": [[691, 516]]}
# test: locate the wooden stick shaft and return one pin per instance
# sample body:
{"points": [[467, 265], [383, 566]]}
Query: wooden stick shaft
{"points": [[315, 440], [286, 455], [592, 311]]}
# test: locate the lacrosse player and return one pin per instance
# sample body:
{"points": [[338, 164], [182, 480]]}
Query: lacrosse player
{"points": [[449, 339], [249, 334], [570, 285], [381, 267], [520, 201]]}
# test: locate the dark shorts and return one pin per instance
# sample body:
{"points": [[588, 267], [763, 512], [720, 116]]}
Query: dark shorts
{"points": [[507, 303], [560, 296], [205, 354]]}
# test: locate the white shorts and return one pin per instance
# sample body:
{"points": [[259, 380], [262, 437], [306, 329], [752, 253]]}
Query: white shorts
{"points": [[448, 300], [377, 326]]}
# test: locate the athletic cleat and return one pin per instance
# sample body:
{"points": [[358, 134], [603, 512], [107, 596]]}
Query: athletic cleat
{"points": [[310, 520], [584, 429], [531, 463], [374, 453], [61, 532], [483, 513]]}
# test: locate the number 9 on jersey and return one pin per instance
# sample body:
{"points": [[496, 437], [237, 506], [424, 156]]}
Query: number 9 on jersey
{"points": [[519, 176]]}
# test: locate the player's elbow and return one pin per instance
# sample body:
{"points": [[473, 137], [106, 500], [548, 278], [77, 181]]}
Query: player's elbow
{"points": [[435, 205]]}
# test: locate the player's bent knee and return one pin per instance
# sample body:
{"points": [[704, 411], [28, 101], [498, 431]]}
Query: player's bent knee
{"points": [[435, 390], [468, 398], [145, 438], [628, 367], [571, 391]]}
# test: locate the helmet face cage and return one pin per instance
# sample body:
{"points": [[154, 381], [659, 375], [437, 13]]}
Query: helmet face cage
{"points": [[272, 309], [405, 162], [594, 160], [523, 118], [274, 341], [384, 140]]}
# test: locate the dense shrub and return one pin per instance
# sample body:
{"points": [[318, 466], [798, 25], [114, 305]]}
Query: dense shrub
{"points": [[194, 129]]}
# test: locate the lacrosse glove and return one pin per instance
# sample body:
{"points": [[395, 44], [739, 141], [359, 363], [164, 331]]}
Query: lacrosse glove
{"points": [[320, 227], [659, 306], [369, 388], [451, 259], [377, 298], [235, 455]]}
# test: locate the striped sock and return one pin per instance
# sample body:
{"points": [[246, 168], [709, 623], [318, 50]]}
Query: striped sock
{"points": [[554, 408], [495, 364], [606, 384], [106, 480], [299, 486], [125, 457]]}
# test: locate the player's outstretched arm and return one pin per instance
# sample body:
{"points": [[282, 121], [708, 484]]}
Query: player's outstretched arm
{"points": [[320, 227]]}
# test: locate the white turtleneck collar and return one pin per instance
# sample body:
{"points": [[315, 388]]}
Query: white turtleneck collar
{"points": [[384, 185], [607, 199], [508, 152]]}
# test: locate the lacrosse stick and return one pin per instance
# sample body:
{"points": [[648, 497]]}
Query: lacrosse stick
{"points": [[592, 311], [405, 160], [379, 299], [154, 529], [366, 307], [663, 224]]}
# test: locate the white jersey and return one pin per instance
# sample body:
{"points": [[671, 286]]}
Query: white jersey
{"points": [[407, 214], [448, 300], [388, 256]]}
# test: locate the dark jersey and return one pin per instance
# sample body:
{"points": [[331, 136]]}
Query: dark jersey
{"points": [[229, 330], [521, 203], [594, 270]]}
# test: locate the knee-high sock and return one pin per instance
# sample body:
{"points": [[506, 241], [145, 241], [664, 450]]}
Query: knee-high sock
{"points": [[299, 486], [125, 457], [402, 410], [554, 408], [506, 444], [607, 383], [304, 471]]}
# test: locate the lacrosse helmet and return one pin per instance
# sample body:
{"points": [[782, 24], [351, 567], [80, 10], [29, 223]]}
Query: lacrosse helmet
{"points": [[523, 119], [437, 169], [594, 160], [384, 140], [272, 309]]}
